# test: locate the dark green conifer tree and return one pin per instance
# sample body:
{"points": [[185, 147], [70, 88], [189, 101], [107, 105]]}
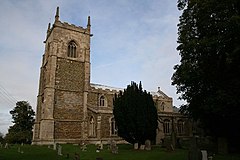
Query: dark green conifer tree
{"points": [[135, 114]]}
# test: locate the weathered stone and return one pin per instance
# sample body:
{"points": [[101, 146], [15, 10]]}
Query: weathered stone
{"points": [[148, 145], [135, 146], [142, 147]]}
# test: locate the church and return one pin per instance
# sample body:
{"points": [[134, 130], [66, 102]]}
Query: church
{"points": [[71, 109]]}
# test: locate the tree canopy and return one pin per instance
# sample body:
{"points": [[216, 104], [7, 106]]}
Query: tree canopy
{"points": [[135, 114], [23, 119], [208, 76]]}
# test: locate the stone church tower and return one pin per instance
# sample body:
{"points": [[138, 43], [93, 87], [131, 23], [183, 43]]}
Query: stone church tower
{"points": [[70, 109], [64, 83]]}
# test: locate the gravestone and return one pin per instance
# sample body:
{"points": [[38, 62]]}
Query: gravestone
{"points": [[19, 149], [115, 149], [148, 145], [59, 150], [135, 145], [142, 147], [101, 145], [1, 145], [98, 149], [204, 155], [6, 146], [54, 146], [84, 147]]}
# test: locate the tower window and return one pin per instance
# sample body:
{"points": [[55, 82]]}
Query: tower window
{"points": [[72, 50]]}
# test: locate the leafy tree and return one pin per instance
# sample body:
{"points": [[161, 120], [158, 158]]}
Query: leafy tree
{"points": [[208, 75], [23, 119], [135, 114], [1, 138]]}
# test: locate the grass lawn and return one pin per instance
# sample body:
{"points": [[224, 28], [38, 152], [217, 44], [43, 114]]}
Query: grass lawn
{"points": [[125, 153]]}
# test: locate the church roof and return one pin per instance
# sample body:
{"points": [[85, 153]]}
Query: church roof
{"points": [[159, 93]]}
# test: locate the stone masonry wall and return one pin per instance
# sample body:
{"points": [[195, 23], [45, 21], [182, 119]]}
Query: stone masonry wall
{"points": [[69, 75], [68, 130]]}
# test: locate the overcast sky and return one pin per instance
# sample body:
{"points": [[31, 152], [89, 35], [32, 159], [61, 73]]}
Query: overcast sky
{"points": [[133, 40]]}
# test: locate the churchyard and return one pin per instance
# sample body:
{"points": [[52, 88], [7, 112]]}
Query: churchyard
{"points": [[94, 152]]}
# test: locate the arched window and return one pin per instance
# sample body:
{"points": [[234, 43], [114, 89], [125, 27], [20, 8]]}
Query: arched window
{"points": [[113, 128], [162, 106], [91, 127], [180, 126], [102, 101], [72, 50], [166, 126]]}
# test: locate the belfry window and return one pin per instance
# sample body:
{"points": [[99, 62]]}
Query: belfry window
{"points": [[72, 50], [102, 101]]}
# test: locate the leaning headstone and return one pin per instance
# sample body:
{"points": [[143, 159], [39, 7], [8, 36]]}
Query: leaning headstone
{"points": [[148, 145], [22, 144], [19, 149], [204, 155], [135, 145], [59, 150]]}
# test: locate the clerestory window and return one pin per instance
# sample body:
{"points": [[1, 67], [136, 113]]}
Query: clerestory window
{"points": [[102, 101], [72, 50]]}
